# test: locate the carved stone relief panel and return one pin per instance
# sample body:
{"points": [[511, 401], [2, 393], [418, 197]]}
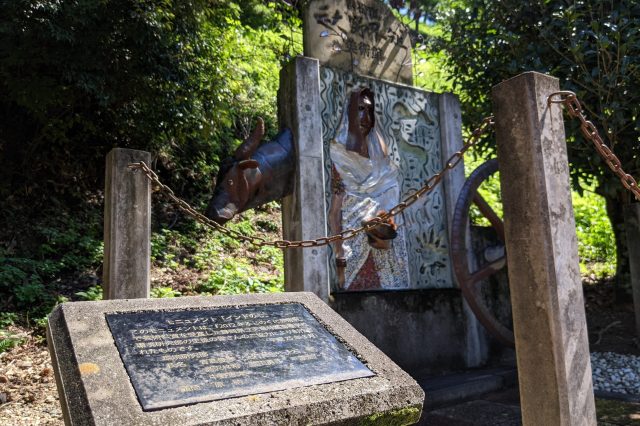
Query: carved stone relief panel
{"points": [[407, 120], [361, 36]]}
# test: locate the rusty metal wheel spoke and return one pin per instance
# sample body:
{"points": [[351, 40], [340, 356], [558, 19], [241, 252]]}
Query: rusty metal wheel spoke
{"points": [[470, 280], [490, 214], [487, 270]]}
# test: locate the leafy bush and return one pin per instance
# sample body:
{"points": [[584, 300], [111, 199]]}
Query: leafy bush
{"points": [[596, 242], [56, 246], [7, 319], [9, 340], [92, 293], [164, 292], [236, 277], [592, 47]]}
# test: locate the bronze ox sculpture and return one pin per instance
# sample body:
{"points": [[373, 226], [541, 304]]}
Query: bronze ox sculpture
{"points": [[255, 175]]}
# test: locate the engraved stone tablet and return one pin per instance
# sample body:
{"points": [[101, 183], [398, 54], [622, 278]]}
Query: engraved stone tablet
{"points": [[182, 357], [361, 36]]}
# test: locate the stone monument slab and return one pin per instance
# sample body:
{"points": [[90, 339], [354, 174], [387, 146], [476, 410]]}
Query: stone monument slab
{"points": [[241, 360], [360, 36]]}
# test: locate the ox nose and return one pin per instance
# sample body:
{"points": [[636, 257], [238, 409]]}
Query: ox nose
{"points": [[220, 216]]}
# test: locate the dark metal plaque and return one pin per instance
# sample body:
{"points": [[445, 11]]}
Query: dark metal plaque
{"points": [[182, 357]]}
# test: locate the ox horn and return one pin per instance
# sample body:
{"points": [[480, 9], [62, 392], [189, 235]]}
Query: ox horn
{"points": [[247, 147]]}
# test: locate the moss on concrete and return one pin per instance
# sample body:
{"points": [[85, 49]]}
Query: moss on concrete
{"points": [[401, 417], [617, 412]]}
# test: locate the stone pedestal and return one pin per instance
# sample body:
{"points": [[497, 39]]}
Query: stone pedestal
{"points": [[97, 387], [552, 345]]}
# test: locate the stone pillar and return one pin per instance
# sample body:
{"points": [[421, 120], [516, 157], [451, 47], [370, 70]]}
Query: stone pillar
{"points": [[451, 141], [632, 229], [552, 347], [304, 212], [127, 226]]}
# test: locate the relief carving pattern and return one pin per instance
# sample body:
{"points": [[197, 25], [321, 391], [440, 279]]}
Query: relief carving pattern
{"points": [[409, 122]]}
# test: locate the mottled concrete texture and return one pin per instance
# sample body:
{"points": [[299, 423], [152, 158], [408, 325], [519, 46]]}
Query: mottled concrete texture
{"points": [[632, 228], [546, 293], [361, 36], [95, 389], [422, 331], [303, 212], [476, 345], [127, 226]]}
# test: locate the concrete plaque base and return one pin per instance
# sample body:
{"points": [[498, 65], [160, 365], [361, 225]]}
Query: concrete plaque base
{"points": [[95, 388]]}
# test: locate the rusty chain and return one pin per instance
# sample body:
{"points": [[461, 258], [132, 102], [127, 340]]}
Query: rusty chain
{"points": [[347, 234], [589, 130], [567, 98]]}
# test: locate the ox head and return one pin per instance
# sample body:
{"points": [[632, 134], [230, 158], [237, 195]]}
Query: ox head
{"points": [[236, 180]]}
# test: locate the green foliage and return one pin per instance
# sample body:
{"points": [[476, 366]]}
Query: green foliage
{"points": [[429, 66], [57, 246], [170, 246], [7, 319], [596, 241], [489, 190], [216, 263], [184, 80], [595, 237], [92, 293], [164, 292], [9, 340], [593, 47], [235, 276]]}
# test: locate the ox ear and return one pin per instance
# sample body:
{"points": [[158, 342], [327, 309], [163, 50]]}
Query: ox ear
{"points": [[249, 146], [248, 164]]}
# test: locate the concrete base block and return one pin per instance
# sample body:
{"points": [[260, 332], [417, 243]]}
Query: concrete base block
{"points": [[422, 331], [95, 388]]}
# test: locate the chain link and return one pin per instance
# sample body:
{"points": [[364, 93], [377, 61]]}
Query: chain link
{"points": [[347, 234], [589, 130], [567, 98]]}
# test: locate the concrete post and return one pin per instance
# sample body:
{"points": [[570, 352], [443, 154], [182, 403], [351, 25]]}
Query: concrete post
{"points": [[632, 229], [552, 347], [303, 212], [451, 142], [127, 227]]}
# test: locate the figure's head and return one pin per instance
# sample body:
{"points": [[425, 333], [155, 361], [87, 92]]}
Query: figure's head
{"points": [[366, 117], [361, 111]]}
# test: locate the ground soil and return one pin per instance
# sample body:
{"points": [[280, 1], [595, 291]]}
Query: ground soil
{"points": [[28, 394], [611, 323]]}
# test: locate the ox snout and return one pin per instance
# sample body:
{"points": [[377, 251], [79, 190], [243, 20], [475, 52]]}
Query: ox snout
{"points": [[220, 215]]}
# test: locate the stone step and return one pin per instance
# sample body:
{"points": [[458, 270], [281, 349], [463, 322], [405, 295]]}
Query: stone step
{"points": [[453, 388]]}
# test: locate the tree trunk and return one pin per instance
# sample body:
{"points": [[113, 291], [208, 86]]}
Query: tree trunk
{"points": [[615, 211]]}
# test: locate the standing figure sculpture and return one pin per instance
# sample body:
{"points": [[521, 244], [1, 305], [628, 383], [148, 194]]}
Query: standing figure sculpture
{"points": [[365, 183]]}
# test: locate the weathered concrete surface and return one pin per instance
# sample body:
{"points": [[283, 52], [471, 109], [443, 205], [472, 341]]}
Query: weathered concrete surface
{"points": [[632, 228], [361, 36], [451, 139], [127, 226], [303, 212], [548, 309], [95, 388], [422, 331]]}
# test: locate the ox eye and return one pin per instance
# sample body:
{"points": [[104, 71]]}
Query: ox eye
{"points": [[230, 182]]}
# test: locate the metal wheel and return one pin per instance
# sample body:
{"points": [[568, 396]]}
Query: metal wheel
{"points": [[470, 280]]}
